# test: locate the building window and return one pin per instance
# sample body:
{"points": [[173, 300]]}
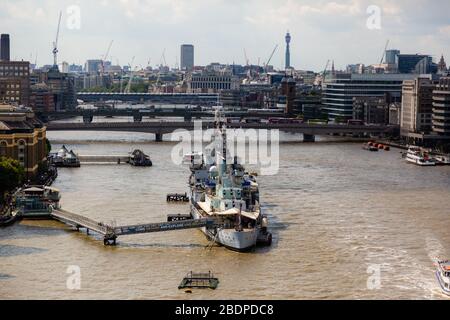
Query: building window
{"points": [[22, 153], [3, 147]]}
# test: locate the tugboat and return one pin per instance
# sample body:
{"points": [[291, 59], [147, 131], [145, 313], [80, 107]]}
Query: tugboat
{"points": [[227, 194], [443, 275], [417, 156]]}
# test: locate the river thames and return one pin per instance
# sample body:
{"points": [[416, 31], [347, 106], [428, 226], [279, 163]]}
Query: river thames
{"points": [[339, 216]]}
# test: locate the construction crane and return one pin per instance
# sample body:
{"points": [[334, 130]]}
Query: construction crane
{"points": [[246, 58], [270, 58], [384, 52], [324, 73], [106, 56], [55, 43], [128, 87], [163, 58]]}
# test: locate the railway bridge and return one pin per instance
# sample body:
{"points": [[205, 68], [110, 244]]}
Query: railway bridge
{"points": [[159, 128]]}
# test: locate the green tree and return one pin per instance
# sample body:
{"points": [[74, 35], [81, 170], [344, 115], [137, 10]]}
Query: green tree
{"points": [[11, 175]]}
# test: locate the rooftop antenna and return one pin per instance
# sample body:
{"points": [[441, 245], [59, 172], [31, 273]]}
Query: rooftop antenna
{"points": [[55, 43]]}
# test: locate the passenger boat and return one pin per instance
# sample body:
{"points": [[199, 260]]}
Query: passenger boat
{"points": [[443, 275], [226, 193], [419, 157]]}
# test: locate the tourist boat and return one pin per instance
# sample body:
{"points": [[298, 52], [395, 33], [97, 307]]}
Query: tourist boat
{"points": [[224, 192], [419, 157], [443, 275], [369, 147]]}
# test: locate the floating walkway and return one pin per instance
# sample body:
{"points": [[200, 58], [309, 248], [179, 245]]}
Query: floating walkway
{"points": [[111, 233]]}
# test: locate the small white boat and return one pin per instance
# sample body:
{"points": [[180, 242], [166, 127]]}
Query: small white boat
{"points": [[442, 160], [417, 156], [443, 275]]}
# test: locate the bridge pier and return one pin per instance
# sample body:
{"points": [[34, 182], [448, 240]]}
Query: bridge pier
{"points": [[137, 118], [109, 240], [158, 137], [309, 138], [88, 118]]}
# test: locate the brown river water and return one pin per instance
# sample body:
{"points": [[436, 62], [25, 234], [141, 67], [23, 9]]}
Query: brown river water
{"points": [[336, 212]]}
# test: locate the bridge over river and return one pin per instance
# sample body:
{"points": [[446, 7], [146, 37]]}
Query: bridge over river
{"points": [[159, 128]]}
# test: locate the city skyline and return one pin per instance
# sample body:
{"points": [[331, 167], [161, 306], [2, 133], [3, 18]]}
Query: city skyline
{"points": [[146, 29]]}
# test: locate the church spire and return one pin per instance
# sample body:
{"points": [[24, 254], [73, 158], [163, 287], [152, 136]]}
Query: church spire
{"points": [[442, 66]]}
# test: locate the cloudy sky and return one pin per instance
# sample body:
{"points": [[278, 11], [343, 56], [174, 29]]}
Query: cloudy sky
{"points": [[221, 29]]}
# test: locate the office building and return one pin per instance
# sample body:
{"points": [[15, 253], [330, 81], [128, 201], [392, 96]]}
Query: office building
{"points": [[417, 107], [340, 89], [4, 47], [93, 66], [211, 82], [391, 56], [441, 108], [15, 82], [41, 98], [415, 63], [187, 57], [371, 110]]}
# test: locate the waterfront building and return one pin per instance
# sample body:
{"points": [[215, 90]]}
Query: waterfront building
{"points": [[372, 110], [4, 47], [187, 57], [288, 51], [211, 82], [340, 89], [15, 82], [22, 137], [441, 108], [417, 107]]}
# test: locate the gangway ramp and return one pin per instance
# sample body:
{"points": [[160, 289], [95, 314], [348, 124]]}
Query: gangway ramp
{"points": [[111, 233], [164, 226], [79, 221]]}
